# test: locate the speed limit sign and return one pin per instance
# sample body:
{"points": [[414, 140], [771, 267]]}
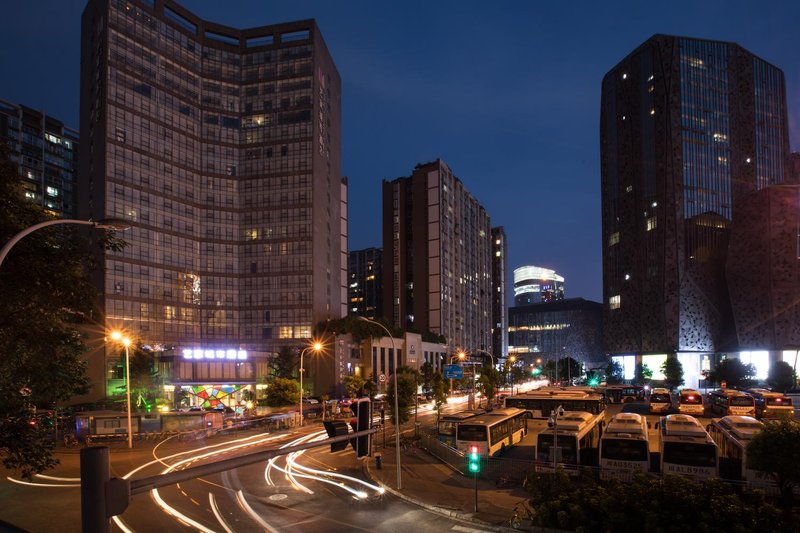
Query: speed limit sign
{"points": [[382, 378]]}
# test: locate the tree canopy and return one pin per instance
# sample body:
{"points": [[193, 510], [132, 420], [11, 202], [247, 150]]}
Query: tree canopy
{"points": [[733, 372], [45, 296], [407, 385], [781, 376], [282, 391], [673, 372], [285, 363], [775, 450]]}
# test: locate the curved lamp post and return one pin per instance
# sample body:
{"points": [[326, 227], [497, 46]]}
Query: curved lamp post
{"points": [[126, 342], [317, 347], [108, 223], [396, 394]]}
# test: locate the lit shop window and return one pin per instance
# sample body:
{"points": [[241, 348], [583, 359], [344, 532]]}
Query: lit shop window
{"points": [[302, 332], [286, 332]]}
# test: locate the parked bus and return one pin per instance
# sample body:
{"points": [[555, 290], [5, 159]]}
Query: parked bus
{"points": [[732, 433], [541, 402], [771, 404], [623, 393], [726, 402], [492, 432], [690, 402], [574, 442], [448, 423], [686, 448], [660, 401], [623, 447]]}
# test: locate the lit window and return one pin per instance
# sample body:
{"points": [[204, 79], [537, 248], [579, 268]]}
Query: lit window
{"points": [[722, 159], [627, 277], [613, 238], [624, 76], [497, 241], [650, 78], [497, 253], [624, 117], [747, 160], [651, 89], [614, 302], [169, 312], [52, 191], [654, 204], [629, 188], [251, 234], [302, 332], [29, 194], [651, 223], [285, 332], [653, 111]]}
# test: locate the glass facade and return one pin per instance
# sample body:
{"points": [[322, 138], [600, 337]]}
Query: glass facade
{"points": [[221, 148]]}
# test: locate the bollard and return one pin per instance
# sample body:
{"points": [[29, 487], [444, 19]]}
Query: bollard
{"points": [[378, 460]]}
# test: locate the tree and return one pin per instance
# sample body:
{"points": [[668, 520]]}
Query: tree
{"points": [[439, 391], [642, 374], [673, 372], [774, 450], [354, 385], [517, 375], [45, 296], [488, 383], [285, 363], [282, 391], [145, 382], [781, 376], [733, 372], [569, 369], [426, 375], [615, 374], [407, 386]]}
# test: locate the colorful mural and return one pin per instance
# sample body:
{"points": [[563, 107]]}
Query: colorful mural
{"points": [[212, 395]]}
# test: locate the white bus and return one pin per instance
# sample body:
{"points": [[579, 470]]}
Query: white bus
{"points": [[726, 402], [690, 402], [686, 448], [771, 404], [541, 402], [732, 433], [448, 423], [660, 401], [492, 432], [623, 447], [574, 442]]}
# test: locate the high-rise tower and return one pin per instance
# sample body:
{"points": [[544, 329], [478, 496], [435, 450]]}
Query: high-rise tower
{"points": [[687, 127], [221, 147]]}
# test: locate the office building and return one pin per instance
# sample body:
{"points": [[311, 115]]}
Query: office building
{"points": [[554, 330], [687, 126], [499, 307], [436, 258], [46, 154], [364, 291], [534, 284], [221, 147]]}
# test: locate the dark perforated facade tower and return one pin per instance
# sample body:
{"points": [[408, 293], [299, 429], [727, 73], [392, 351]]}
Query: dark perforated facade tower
{"points": [[221, 147], [687, 127]]}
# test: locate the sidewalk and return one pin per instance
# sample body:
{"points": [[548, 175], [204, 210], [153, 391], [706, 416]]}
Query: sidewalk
{"points": [[433, 485]]}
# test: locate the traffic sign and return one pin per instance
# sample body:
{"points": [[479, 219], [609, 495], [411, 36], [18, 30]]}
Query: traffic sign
{"points": [[382, 378], [453, 372]]}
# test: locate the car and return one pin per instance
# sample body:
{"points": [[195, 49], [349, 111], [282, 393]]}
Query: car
{"points": [[310, 401]]}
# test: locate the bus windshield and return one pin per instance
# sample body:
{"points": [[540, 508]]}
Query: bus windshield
{"points": [[689, 454], [471, 432], [624, 449], [566, 443]]}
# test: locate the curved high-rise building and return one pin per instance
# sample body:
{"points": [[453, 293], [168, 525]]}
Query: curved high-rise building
{"points": [[221, 148], [534, 284]]}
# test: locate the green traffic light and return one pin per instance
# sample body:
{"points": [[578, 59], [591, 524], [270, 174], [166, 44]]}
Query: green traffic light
{"points": [[474, 467]]}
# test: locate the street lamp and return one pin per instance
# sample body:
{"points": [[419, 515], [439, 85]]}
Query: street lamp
{"points": [[108, 223], [317, 347], [126, 342], [396, 394]]}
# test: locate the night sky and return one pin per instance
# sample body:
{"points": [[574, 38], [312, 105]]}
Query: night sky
{"points": [[506, 93]]}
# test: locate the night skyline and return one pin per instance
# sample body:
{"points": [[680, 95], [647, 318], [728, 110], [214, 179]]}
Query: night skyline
{"points": [[510, 99]]}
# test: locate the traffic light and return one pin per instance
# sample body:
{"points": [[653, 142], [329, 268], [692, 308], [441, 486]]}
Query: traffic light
{"points": [[535, 371], [594, 381], [474, 459], [336, 428], [363, 421]]}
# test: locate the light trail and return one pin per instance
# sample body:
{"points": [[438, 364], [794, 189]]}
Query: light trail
{"points": [[214, 509]]}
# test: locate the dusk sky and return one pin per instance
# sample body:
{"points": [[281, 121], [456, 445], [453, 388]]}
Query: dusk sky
{"points": [[506, 93]]}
